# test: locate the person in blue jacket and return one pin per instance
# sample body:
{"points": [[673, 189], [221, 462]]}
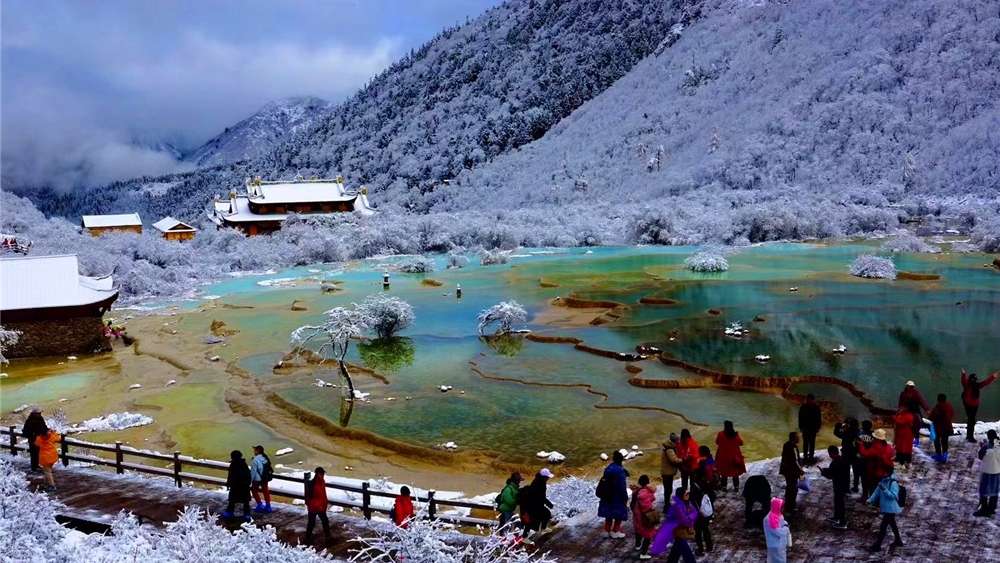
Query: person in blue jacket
{"points": [[614, 504], [887, 495]]}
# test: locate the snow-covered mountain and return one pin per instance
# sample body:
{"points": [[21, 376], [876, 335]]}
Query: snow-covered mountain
{"points": [[260, 133], [688, 120]]}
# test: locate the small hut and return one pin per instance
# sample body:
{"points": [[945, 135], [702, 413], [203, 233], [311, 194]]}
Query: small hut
{"points": [[99, 224], [172, 229]]}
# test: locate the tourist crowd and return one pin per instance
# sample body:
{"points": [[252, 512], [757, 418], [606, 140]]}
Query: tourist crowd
{"points": [[865, 462]]}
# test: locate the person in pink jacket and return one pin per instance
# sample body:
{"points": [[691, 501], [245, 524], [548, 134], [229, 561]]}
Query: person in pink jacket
{"points": [[644, 502]]}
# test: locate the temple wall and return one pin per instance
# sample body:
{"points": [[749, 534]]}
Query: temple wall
{"points": [[58, 337]]}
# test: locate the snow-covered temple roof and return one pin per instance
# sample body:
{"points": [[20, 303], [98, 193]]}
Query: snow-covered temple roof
{"points": [[298, 192], [40, 282]]}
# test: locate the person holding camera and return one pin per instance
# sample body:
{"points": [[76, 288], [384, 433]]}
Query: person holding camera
{"points": [[670, 464]]}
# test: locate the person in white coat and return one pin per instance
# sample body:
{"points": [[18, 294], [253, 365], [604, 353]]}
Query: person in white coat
{"points": [[776, 533], [989, 478]]}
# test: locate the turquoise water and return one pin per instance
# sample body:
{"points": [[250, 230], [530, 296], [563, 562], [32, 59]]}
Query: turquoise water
{"points": [[893, 330]]}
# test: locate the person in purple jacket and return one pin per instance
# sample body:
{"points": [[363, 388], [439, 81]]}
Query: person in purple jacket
{"points": [[677, 528]]}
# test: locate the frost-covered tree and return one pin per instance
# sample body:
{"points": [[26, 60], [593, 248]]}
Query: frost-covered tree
{"points": [[385, 314], [707, 260], [417, 265], [28, 527], [8, 338], [341, 326], [493, 256], [871, 266], [457, 258], [432, 540], [504, 315], [905, 241]]}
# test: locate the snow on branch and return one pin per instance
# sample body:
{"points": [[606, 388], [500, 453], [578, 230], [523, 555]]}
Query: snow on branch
{"points": [[385, 314], [504, 315]]}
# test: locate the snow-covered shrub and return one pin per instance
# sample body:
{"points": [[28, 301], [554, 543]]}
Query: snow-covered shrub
{"points": [[871, 266], [457, 258], [495, 256], [8, 338], [417, 265], [193, 537], [905, 241], [986, 236], [28, 527], [707, 260], [385, 314], [571, 496], [430, 540], [504, 314]]}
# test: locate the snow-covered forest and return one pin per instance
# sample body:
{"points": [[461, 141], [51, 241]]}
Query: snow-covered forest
{"points": [[667, 122]]}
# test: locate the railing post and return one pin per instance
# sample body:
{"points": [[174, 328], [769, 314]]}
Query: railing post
{"points": [[305, 484], [431, 508], [119, 457], [64, 451], [13, 441], [177, 468], [366, 501]]}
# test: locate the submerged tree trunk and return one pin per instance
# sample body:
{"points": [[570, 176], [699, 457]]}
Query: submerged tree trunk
{"points": [[347, 378]]}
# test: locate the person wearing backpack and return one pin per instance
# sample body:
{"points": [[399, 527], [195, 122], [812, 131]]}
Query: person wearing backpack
{"points": [[261, 474], [614, 504], [705, 476], [402, 508], [317, 503], [941, 417], [888, 495], [535, 505], [839, 471], [706, 513], [645, 517], [507, 500]]}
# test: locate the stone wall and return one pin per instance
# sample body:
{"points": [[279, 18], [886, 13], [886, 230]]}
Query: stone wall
{"points": [[62, 337]]}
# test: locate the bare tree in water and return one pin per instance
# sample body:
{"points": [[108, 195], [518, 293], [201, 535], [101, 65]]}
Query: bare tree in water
{"points": [[340, 327]]}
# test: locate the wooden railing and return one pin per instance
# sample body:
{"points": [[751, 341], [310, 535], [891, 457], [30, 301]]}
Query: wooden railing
{"points": [[182, 468]]}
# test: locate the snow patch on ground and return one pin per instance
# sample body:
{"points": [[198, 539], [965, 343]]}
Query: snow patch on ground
{"points": [[111, 422]]}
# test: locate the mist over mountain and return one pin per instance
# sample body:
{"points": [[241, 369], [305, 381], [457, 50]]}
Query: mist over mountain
{"points": [[671, 122], [261, 133]]}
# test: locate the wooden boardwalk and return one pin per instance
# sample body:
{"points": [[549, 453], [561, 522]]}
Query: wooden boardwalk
{"points": [[931, 530]]}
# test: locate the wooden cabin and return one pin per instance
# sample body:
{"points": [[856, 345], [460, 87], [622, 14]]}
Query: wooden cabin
{"points": [[57, 311], [172, 229], [99, 224]]}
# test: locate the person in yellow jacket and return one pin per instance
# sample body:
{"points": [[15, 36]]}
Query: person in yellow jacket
{"points": [[48, 455]]}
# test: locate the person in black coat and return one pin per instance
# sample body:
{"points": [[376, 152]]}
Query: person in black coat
{"points": [[848, 430], [34, 427], [238, 480], [535, 505], [839, 472], [756, 490], [810, 421]]}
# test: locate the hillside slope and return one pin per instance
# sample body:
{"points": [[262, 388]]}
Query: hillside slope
{"points": [[273, 124], [868, 102]]}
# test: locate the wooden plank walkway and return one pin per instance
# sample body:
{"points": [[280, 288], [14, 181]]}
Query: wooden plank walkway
{"points": [[933, 529]]}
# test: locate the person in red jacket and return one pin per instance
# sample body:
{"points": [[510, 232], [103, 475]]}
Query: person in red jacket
{"points": [[729, 460], [316, 504], [687, 450], [403, 508], [911, 398], [878, 459], [941, 418], [970, 400], [904, 435]]}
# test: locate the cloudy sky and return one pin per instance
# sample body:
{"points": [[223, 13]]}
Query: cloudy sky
{"points": [[82, 79]]}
